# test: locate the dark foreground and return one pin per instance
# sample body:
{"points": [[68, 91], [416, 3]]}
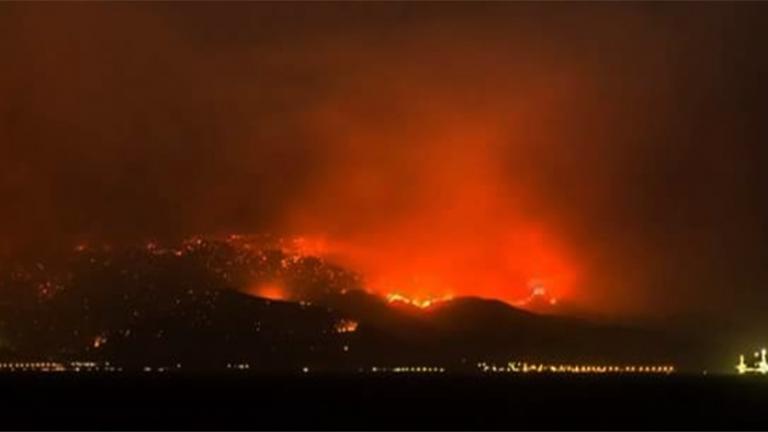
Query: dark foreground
{"points": [[150, 401]]}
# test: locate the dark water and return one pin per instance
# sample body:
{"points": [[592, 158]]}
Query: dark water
{"points": [[152, 401]]}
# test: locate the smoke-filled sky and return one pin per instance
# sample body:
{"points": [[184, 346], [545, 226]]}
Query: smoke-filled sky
{"points": [[612, 153]]}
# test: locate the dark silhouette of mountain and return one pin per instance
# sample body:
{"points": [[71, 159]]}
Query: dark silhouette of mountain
{"points": [[149, 306], [475, 328]]}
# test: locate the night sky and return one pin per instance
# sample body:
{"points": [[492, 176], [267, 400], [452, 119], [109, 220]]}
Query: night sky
{"points": [[612, 152]]}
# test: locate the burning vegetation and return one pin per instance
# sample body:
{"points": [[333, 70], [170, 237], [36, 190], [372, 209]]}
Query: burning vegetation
{"points": [[417, 302], [249, 300]]}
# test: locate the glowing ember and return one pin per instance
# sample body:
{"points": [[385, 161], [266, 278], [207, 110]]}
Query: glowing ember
{"points": [[307, 246], [346, 326], [99, 341]]}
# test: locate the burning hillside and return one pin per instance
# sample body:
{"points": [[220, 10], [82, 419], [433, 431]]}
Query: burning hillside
{"points": [[299, 269]]}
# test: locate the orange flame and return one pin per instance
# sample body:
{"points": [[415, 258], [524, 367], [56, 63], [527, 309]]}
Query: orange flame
{"points": [[418, 302]]}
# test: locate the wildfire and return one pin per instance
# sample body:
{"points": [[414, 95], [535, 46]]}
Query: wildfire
{"points": [[526, 268], [412, 301], [346, 326]]}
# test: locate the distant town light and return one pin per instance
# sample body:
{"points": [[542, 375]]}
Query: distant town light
{"points": [[760, 367], [524, 367]]}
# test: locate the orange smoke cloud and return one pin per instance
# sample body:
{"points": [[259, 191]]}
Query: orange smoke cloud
{"points": [[607, 154], [424, 187]]}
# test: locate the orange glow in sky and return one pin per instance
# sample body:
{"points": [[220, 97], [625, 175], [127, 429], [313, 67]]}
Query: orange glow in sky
{"points": [[436, 205], [272, 290], [521, 268]]}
